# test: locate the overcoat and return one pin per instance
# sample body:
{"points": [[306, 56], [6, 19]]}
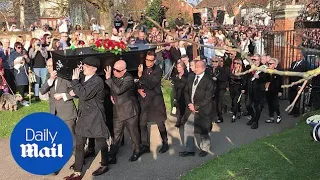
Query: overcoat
{"points": [[153, 103], [91, 113]]}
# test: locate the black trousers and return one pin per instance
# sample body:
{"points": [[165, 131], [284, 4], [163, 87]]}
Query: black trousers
{"points": [[144, 130], [22, 89], [254, 107], [79, 155], [219, 101], [293, 91], [273, 103], [181, 109], [8, 75], [234, 94], [133, 128]]}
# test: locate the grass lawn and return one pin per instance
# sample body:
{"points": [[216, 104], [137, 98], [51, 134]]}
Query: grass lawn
{"points": [[285, 156], [9, 119]]}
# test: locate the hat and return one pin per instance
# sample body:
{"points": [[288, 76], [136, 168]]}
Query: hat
{"points": [[91, 61]]}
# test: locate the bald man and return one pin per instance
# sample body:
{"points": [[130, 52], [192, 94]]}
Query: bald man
{"points": [[126, 109]]}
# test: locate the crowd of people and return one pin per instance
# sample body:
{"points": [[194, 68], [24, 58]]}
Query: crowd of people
{"points": [[311, 38], [201, 73]]}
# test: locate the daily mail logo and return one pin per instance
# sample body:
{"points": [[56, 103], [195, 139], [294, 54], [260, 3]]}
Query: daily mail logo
{"points": [[41, 143]]}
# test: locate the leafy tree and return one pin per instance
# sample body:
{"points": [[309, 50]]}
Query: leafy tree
{"points": [[154, 11]]}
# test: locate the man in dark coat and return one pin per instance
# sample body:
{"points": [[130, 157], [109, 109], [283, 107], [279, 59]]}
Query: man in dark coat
{"points": [[60, 99], [255, 83], [151, 102], [91, 116], [274, 92], [126, 108], [198, 115], [300, 65]]}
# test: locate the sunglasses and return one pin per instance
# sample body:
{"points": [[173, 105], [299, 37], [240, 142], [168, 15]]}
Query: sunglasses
{"points": [[19, 47], [215, 61], [117, 70], [149, 60]]}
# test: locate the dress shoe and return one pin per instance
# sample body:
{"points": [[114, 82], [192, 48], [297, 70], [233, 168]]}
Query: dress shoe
{"points": [[113, 160], [89, 153], [249, 123], [73, 176], [36, 98], [135, 156], [233, 119], [144, 149], [164, 148], [185, 154], [254, 126], [219, 121], [203, 154], [100, 170]]}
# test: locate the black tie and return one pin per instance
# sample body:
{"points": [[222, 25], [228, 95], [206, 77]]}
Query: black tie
{"points": [[196, 81]]}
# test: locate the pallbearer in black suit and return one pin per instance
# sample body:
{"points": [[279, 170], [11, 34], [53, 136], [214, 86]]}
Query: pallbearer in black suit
{"points": [[91, 116], [198, 115], [300, 65], [236, 87], [255, 83], [125, 109], [273, 92], [220, 77], [151, 102], [179, 84]]}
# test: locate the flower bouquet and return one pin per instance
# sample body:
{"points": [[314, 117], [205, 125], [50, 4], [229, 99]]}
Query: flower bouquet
{"points": [[110, 45]]}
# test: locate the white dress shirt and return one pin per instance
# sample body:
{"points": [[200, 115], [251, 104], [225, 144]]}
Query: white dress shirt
{"points": [[194, 86]]}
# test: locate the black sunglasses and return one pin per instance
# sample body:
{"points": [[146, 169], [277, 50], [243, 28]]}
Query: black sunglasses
{"points": [[117, 70], [19, 47], [215, 61]]}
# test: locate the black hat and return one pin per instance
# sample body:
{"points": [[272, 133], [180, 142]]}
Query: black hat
{"points": [[91, 61]]}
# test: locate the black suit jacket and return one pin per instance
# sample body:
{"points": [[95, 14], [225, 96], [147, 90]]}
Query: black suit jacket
{"points": [[202, 102], [175, 54], [124, 96], [301, 67], [91, 116]]}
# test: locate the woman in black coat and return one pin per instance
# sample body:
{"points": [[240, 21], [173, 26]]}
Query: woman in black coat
{"points": [[236, 87], [179, 84]]}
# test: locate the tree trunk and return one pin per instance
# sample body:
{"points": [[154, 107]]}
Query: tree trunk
{"points": [[78, 13], [106, 16]]}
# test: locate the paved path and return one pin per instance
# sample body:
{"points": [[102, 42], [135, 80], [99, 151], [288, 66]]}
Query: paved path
{"points": [[154, 166]]}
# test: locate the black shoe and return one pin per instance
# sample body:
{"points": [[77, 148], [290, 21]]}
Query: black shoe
{"points": [[203, 154], [100, 170], [164, 148], [254, 126], [144, 149], [249, 123], [36, 98], [185, 154], [113, 160], [239, 115], [233, 119], [219, 121], [89, 153], [135, 156]]}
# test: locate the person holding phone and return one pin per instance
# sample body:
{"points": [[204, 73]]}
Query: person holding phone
{"points": [[38, 56]]}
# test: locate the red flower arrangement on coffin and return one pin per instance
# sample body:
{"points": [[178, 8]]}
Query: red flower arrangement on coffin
{"points": [[110, 45]]}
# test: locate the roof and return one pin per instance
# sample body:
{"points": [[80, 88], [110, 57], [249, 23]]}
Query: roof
{"points": [[221, 3]]}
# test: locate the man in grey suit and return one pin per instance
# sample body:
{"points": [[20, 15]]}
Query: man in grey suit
{"points": [[125, 109], [60, 98]]}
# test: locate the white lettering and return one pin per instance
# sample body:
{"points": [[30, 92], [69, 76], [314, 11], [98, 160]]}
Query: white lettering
{"points": [[53, 137], [32, 150], [27, 133]]}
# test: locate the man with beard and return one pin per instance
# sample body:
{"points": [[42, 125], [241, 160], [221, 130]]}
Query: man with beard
{"points": [[125, 109]]}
